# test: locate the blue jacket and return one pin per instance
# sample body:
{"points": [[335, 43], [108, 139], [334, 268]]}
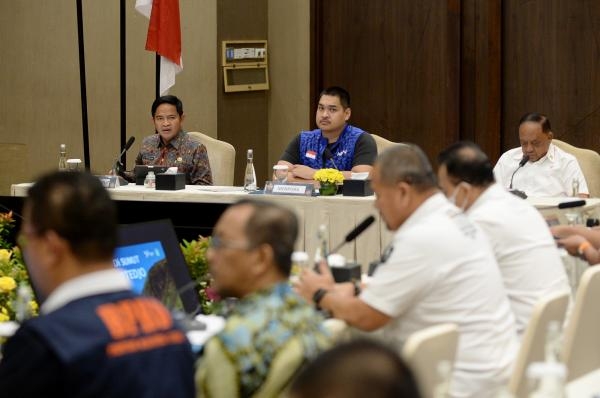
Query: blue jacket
{"points": [[313, 144]]}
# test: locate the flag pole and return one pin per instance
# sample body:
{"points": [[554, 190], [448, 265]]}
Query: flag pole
{"points": [[157, 93], [82, 85], [123, 75]]}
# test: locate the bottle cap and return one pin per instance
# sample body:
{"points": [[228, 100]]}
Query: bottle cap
{"points": [[336, 260], [299, 257], [63, 148]]}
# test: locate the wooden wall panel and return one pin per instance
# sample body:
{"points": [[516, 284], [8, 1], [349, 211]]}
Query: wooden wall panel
{"points": [[552, 65], [242, 117], [400, 62]]}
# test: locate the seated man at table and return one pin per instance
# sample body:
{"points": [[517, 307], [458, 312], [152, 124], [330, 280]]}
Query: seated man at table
{"points": [[94, 336], [526, 253], [335, 144], [440, 270], [171, 146], [271, 331], [546, 169]]}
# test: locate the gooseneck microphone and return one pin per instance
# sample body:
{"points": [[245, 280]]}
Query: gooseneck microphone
{"points": [[359, 229], [329, 156], [521, 164], [125, 149]]}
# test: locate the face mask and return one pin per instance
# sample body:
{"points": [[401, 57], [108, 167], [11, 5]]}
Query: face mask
{"points": [[452, 197]]}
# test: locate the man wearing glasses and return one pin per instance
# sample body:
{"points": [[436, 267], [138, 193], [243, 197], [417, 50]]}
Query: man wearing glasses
{"points": [[271, 329]]}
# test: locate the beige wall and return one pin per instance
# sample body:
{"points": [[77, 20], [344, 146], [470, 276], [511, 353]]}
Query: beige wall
{"points": [[39, 78], [289, 45]]}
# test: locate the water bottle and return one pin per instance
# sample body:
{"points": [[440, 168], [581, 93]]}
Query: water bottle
{"points": [[250, 174], [62, 158], [323, 247], [150, 181], [575, 187]]}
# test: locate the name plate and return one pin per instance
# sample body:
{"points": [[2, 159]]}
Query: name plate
{"points": [[292, 189], [109, 181]]}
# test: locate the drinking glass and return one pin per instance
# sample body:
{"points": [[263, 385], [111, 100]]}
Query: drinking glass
{"points": [[280, 172]]}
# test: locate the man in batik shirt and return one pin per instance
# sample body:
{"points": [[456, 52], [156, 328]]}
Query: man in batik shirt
{"points": [[271, 331]]}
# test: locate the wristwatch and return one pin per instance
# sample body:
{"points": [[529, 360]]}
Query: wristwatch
{"points": [[318, 296]]}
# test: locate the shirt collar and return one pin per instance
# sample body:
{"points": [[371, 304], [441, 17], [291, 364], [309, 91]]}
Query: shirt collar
{"points": [[175, 142], [431, 205], [550, 155], [94, 283]]}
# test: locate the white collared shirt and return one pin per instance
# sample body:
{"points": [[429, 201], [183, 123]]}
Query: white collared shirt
{"points": [[526, 253], [99, 282], [442, 270], [550, 176]]}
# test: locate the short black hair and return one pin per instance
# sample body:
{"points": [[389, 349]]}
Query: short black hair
{"points": [[359, 368], [339, 92], [465, 161], [274, 225], [75, 206], [537, 118], [406, 163], [167, 99]]}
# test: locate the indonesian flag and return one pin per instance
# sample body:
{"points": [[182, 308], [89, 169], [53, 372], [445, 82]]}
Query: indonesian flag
{"points": [[164, 37]]}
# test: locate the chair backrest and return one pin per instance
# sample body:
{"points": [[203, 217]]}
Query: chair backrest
{"points": [[548, 309], [589, 161], [382, 143], [425, 349], [581, 346], [221, 156]]}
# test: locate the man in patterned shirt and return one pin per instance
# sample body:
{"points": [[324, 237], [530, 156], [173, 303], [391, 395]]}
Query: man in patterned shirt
{"points": [[171, 146], [272, 331]]}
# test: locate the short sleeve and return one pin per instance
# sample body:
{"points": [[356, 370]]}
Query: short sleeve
{"points": [[292, 152], [365, 150]]}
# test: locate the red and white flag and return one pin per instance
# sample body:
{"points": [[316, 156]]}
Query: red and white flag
{"points": [[164, 37]]}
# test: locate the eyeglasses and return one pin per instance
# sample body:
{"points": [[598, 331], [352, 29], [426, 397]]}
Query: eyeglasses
{"points": [[218, 243]]}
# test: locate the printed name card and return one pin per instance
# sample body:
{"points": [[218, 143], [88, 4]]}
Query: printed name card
{"points": [[292, 189]]}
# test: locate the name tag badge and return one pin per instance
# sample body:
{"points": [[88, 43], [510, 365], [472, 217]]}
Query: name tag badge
{"points": [[311, 154], [292, 189]]}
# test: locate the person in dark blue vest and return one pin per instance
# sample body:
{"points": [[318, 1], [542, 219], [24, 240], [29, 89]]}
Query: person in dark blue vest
{"points": [[94, 337], [335, 144]]}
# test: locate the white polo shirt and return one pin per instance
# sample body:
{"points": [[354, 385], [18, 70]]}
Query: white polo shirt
{"points": [[551, 176], [442, 270], [526, 253]]}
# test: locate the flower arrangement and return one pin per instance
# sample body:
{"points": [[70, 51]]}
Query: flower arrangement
{"points": [[13, 275], [331, 176], [194, 252]]}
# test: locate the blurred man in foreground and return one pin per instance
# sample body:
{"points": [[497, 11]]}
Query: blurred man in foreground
{"points": [[272, 331], [441, 270], [94, 337]]}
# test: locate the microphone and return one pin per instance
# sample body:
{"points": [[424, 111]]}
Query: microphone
{"points": [[118, 166], [571, 204], [521, 164], [329, 156], [359, 229]]}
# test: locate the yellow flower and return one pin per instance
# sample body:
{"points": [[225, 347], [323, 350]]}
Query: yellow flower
{"points": [[33, 306], [5, 255], [7, 284], [332, 176]]}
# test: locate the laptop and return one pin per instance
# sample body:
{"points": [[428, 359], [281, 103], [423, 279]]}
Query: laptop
{"points": [[150, 256], [140, 171]]}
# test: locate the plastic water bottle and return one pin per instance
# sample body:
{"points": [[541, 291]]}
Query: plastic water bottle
{"points": [[250, 174], [150, 181], [62, 158]]}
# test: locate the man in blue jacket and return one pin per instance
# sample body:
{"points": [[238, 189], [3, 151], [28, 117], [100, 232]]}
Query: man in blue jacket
{"points": [[335, 144], [94, 337]]}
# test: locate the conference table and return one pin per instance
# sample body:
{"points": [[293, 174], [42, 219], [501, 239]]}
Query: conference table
{"points": [[196, 209]]}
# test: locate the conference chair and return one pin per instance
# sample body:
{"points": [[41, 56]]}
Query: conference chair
{"points": [[589, 161], [382, 143], [221, 156], [581, 345], [425, 349], [548, 309]]}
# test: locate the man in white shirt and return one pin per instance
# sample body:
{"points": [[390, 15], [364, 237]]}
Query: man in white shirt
{"points": [[441, 270], [538, 167], [522, 243]]}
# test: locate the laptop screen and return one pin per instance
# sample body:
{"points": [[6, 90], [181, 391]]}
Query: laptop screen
{"points": [[150, 256]]}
